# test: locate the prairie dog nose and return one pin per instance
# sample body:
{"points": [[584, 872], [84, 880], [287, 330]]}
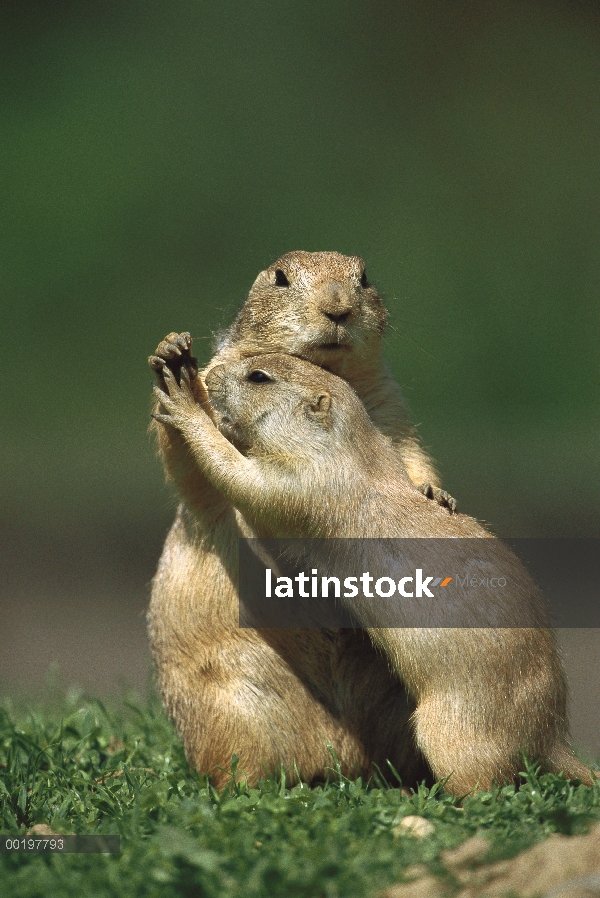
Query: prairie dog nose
{"points": [[336, 303]]}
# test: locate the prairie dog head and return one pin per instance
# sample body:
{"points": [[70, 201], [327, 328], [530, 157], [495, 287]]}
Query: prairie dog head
{"points": [[318, 306], [278, 405]]}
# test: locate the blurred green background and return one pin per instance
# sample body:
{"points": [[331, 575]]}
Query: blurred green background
{"points": [[155, 156]]}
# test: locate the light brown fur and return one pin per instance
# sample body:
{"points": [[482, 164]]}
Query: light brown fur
{"points": [[298, 456], [328, 317], [271, 696]]}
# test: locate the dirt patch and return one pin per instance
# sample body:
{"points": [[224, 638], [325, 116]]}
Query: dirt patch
{"points": [[560, 867]]}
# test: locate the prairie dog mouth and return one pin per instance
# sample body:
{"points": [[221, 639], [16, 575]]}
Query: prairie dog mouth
{"points": [[316, 353], [231, 432]]}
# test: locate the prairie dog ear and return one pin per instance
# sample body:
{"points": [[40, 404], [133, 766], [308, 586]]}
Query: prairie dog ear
{"points": [[320, 404]]}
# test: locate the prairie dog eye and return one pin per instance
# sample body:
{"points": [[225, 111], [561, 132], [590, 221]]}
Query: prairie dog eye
{"points": [[363, 280], [259, 377], [280, 279]]}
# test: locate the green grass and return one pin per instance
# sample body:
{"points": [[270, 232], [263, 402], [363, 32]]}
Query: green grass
{"points": [[85, 768]]}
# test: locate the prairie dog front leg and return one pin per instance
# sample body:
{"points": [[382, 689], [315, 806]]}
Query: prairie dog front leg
{"points": [[234, 475]]}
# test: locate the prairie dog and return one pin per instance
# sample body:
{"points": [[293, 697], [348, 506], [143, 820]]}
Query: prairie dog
{"points": [[320, 307], [272, 696], [296, 453]]}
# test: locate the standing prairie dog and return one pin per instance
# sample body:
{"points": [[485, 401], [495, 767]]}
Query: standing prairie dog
{"points": [[296, 453], [271, 696], [319, 307]]}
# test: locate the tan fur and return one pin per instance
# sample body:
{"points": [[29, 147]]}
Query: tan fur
{"points": [[277, 696], [272, 697], [312, 464], [327, 317], [213, 675]]}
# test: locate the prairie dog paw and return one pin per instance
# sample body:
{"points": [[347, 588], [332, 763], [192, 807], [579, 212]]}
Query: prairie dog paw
{"points": [[175, 401], [440, 496], [174, 353]]}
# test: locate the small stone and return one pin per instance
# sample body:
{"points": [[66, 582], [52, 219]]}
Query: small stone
{"points": [[41, 829], [419, 827]]}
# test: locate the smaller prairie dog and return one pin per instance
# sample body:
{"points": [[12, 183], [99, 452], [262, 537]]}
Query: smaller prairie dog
{"points": [[296, 454]]}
